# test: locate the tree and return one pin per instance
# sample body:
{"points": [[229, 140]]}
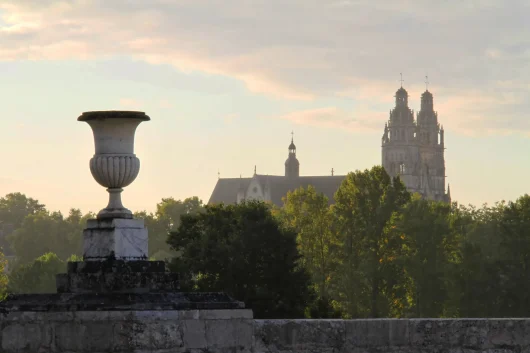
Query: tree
{"points": [[244, 251], [365, 202], [157, 242], [170, 211], [45, 232], [423, 229], [36, 277], [164, 220], [15, 207], [3, 276], [514, 259], [310, 215]]}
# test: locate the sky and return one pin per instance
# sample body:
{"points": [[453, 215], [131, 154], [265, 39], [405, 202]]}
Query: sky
{"points": [[225, 83]]}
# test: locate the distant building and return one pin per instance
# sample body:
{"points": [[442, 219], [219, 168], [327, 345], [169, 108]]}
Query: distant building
{"points": [[414, 149], [273, 188]]}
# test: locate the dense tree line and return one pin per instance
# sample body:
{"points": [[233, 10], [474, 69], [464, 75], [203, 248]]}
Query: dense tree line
{"points": [[377, 251], [42, 241]]}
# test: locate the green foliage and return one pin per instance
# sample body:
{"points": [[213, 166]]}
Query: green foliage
{"points": [[244, 251], [423, 231], [36, 277], [166, 219], [15, 207], [309, 214], [368, 274], [3, 276], [377, 252], [45, 232]]}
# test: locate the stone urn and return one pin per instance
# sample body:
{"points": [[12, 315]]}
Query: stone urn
{"points": [[114, 164]]}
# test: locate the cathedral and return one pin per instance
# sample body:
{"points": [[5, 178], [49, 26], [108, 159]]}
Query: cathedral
{"points": [[411, 148], [414, 149], [273, 188]]}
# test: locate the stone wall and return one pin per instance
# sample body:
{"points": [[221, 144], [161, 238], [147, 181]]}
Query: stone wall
{"points": [[170, 331], [392, 335], [234, 331]]}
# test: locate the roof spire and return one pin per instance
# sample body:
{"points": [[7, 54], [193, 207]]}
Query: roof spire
{"points": [[332, 172], [401, 80], [254, 169], [426, 82], [218, 174], [292, 136]]}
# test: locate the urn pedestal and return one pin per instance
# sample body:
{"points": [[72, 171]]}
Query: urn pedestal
{"points": [[115, 300], [122, 239]]}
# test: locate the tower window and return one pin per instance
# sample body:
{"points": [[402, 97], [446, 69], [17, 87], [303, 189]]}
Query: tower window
{"points": [[402, 168]]}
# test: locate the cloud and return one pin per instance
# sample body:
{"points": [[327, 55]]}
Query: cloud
{"points": [[129, 103], [229, 119], [334, 118], [302, 50]]}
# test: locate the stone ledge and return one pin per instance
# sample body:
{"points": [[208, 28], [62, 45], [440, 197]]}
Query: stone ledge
{"points": [[59, 302], [22, 317], [113, 266], [115, 223], [139, 282]]}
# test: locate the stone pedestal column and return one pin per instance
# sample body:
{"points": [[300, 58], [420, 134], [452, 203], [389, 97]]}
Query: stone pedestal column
{"points": [[122, 239]]}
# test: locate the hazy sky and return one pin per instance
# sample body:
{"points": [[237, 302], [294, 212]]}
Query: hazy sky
{"points": [[225, 82]]}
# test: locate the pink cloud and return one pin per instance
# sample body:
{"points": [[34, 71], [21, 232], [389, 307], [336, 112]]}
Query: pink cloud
{"points": [[301, 51], [332, 117], [129, 103]]}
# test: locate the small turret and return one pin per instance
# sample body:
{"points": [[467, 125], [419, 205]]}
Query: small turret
{"points": [[292, 166]]}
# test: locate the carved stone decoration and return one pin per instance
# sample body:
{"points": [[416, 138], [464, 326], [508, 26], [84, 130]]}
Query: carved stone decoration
{"points": [[114, 164]]}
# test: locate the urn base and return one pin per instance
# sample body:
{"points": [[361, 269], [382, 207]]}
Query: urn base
{"points": [[117, 238], [111, 213]]}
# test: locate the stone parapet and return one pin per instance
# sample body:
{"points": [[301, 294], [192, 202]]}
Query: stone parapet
{"points": [[126, 331], [392, 335], [223, 331]]}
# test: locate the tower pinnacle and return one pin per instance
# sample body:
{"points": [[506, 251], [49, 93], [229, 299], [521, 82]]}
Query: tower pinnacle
{"points": [[292, 166]]}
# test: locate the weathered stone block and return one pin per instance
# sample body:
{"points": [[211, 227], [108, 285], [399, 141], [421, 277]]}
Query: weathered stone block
{"points": [[25, 337], [367, 333], [120, 238], [193, 334]]}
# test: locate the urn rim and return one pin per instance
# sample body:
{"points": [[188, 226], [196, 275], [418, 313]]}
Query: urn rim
{"points": [[113, 114]]}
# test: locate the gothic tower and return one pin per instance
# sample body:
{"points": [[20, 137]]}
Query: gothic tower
{"points": [[398, 141], [414, 150], [292, 166], [431, 147]]}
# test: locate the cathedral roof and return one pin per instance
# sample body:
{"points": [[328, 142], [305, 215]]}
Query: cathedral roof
{"points": [[225, 190], [426, 94]]}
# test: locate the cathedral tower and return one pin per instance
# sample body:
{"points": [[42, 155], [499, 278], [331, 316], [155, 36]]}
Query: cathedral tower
{"points": [[292, 166], [431, 146], [414, 149], [398, 140]]}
